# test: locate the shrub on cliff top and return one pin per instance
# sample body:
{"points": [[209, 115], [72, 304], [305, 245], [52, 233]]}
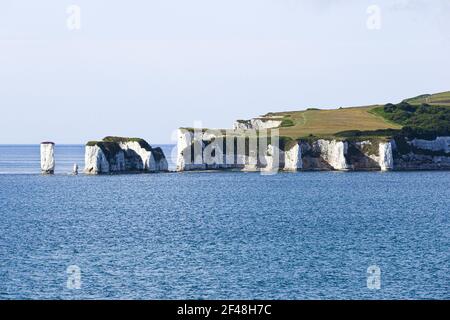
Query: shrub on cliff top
{"points": [[287, 122], [366, 133], [144, 144], [110, 149], [110, 145]]}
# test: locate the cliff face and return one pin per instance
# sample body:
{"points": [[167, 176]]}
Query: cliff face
{"points": [[121, 155], [194, 153], [440, 144], [96, 162], [257, 124], [293, 158], [160, 161], [333, 152], [190, 151], [386, 157], [206, 151], [47, 158], [421, 154], [394, 154], [324, 155], [203, 152], [273, 159]]}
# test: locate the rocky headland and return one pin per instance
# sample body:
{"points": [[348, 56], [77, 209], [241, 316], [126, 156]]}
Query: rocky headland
{"points": [[411, 135]]}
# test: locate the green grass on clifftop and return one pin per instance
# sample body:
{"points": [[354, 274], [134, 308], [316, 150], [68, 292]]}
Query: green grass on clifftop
{"points": [[425, 115], [325, 123], [144, 144], [442, 99], [110, 144]]}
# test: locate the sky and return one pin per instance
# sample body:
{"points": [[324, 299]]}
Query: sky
{"points": [[143, 68]]}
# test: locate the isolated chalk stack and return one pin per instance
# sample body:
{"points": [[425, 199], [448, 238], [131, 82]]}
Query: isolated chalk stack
{"points": [[75, 169], [47, 158]]}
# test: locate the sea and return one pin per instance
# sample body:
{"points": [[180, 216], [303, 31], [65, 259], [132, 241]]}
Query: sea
{"points": [[220, 235]]}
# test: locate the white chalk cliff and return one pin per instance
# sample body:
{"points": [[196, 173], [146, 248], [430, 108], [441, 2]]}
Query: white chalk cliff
{"points": [[312, 154], [257, 124], [190, 151], [123, 155], [334, 153], [251, 162], [95, 161], [209, 151], [438, 144], [143, 158], [194, 152], [75, 169], [47, 158], [386, 158], [293, 158], [273, 159]]}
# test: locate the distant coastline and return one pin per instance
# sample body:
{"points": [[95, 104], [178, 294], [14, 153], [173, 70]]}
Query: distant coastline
{"points": [[413, 134]]}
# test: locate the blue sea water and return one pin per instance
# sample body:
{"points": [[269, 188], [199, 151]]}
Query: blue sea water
{"points": [[223, 235]]}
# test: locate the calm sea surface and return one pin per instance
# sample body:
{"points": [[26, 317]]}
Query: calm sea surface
{"points": [[220, 235]]}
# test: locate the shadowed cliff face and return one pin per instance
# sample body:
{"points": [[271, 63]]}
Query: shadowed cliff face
{"points": [[360, 158], [417, 154]]}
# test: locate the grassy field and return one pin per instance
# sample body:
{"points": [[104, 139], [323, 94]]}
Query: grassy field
{"points": [[329, 122], [442, 98]]}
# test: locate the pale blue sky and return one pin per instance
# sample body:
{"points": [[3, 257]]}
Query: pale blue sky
{"points": [[144, 68]]}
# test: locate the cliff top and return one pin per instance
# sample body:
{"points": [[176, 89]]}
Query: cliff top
{"points": [[427, 115], [423, 116], [111, 145], [442, 98], [111, 139], [323, 123]]}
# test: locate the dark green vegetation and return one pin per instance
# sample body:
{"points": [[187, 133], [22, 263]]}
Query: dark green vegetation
{"points": [[424, 120], [144, 144], [287, 122], [110, 149], [110, 146], [442, 98]]}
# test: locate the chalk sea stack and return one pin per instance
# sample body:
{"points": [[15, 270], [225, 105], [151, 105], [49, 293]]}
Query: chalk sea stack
{"points": [[47, 157], [75, 169], [123, 155]]}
